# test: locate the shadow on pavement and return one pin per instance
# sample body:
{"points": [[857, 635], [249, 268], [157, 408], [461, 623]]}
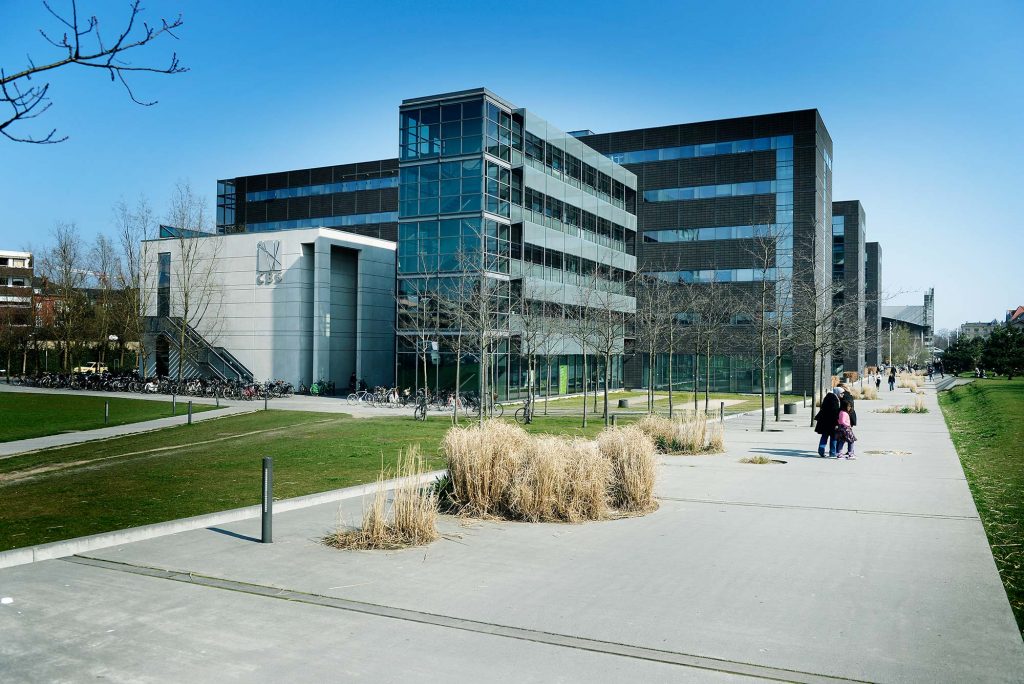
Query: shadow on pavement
{"points": [[236, 535]]}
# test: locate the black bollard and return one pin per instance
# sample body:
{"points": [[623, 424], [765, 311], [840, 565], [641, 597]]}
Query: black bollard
{"points": [[265, 402], [106, 413], [190, 412], [614, 416], [268, 499], [721, 412], [174, 404]]}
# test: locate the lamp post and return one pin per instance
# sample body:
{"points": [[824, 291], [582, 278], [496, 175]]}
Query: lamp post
{"points": [[112, 338]]}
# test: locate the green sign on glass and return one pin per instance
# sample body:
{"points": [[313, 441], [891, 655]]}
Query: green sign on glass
{"points": [[563, 379]]}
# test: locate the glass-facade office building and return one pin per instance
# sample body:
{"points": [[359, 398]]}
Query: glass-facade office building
{"points": [[711, 192], [872, 304], [550, 211], [491, 193]]}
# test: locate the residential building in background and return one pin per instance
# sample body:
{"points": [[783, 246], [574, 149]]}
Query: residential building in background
{"points": [[1015, 316], [709, 195], [360, 198], [16, 273], [494, 199], [980, 329], [849, 278], [873, 304]]}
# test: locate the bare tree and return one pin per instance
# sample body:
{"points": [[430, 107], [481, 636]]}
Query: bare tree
{"points": [[581, 323], [196, 292], [715, 308], [82, 43], [133, 226], [608, 333], [103, 266], [653, 321], [536, 329], [63, 267]]}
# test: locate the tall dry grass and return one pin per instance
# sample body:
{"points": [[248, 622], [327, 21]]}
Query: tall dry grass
{"points": [[688, 433], [869, 393], [411, 519], [500, 470], [631, 455]]}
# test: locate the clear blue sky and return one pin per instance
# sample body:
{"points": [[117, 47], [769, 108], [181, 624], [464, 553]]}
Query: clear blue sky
{"points": [[924, 102]]}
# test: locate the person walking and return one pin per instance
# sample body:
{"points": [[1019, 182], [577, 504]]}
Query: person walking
{"points": [[878, 381], [825, 422], [847, 398], [892, 379], [844, 429]]}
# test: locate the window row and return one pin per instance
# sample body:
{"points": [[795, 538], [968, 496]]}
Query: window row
{"points": [[326, 222], [725, 275], [783, 144], [765, 187], [323, 189], [577, 173], [717, 233], [548, 210]]}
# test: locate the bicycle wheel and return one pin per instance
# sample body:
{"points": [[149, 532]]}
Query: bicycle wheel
{"points": [[521, 415], [353, 399], [498, 411], [420, 413]]}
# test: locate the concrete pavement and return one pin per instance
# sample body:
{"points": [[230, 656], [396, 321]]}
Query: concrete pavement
{"points": [[876, 569]]}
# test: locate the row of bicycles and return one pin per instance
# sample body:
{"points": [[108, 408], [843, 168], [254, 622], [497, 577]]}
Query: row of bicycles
{"points": [[133, 382], [467, 403]]}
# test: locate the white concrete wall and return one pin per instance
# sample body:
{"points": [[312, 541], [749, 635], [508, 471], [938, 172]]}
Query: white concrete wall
{"points": [[276, 324]]}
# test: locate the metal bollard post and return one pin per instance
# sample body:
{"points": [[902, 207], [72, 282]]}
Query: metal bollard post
{"points": [[614, 417], [721, 412], [190, 412], [264, 402], [805, 399], [268, 499], [218, 401], [174, 404], [106, 412]]}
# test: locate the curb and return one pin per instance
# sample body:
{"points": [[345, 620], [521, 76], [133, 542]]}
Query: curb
{"points": [[70, 547]]}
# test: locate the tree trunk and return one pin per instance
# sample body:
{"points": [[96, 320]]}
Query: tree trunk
{"points": [[671, 356], [607, 379], [696, 374], [584, 387], [707, 378], [458, 379]]}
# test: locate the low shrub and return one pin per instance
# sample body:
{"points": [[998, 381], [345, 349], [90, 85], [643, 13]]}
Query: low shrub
{"points": [[758, 460], [716, 437], [869, 394], [411, 520]]}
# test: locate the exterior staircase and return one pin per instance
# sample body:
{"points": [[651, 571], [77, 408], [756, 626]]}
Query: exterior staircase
{"points": [[205, 359]]}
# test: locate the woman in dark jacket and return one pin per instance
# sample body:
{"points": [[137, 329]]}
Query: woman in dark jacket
{"points": [[826, 420]]}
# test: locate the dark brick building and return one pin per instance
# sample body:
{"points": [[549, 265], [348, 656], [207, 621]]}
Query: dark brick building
{"points": [[849, 226], [359, 198], [872, 304], [711, 193]]}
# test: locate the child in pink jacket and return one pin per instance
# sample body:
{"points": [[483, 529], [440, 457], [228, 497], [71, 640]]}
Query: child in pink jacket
{"points": [[844, 432]]}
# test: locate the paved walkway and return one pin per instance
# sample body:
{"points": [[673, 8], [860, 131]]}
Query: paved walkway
{"points": [[813, 570]]}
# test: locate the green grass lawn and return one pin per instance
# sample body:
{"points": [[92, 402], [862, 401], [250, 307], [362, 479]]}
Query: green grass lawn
{"points": [[24, 415], [210, 466], [986, 421], [680, 400]]}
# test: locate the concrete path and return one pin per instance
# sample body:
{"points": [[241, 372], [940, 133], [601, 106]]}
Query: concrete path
{"points": [[811, 570]]}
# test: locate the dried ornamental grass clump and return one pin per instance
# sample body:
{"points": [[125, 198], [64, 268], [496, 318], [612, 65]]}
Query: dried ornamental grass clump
{"points": [[500, 470], [869, 393], [411, 520], [757, 460], [631, 454], [690, 433]]}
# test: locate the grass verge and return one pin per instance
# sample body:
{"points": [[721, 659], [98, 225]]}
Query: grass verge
{"points": [[24, 415], [210, 466], [986, 421]]}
